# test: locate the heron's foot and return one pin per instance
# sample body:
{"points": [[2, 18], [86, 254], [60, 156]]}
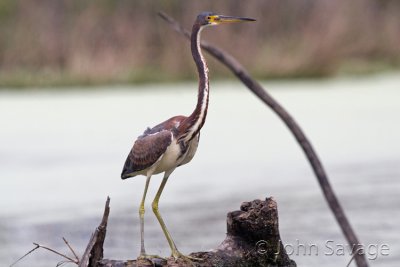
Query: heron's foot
{"points": [[144, 256], [177, 255]]}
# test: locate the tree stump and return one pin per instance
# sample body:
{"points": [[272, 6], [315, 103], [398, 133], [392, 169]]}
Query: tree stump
{"points": [[252, 239]]}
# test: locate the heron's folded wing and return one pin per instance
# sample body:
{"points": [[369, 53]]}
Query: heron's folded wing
{"points": [[146, 151]]}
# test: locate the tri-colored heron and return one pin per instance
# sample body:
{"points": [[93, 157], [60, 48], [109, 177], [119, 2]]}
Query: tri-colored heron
{"points": [[173, 142]]}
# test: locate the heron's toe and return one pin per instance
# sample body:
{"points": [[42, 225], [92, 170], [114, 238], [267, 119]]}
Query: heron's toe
{"points": [[179, 256], [151, 258]]}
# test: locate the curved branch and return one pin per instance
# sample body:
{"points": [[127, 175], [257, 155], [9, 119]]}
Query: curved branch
{"points": [[334, 204]]}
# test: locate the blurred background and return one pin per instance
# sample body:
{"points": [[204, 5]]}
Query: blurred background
{"points": [[94, 42], [80, 80]]}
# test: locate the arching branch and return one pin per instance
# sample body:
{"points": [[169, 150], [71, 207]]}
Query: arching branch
{"points": [[240, 72]]}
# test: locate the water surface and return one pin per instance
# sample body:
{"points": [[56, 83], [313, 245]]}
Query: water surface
{"points": [[62, 151]]}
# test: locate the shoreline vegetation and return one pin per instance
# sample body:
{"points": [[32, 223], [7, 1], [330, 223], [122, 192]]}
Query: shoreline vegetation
{"points": [[48, 79], [67, 43]]}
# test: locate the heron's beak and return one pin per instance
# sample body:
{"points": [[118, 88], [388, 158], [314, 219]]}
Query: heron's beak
{"points": [[219, 19]]}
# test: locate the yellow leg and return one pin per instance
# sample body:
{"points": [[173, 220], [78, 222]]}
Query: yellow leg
{"points": [[143, 254], [141, 215], [174, 251]]}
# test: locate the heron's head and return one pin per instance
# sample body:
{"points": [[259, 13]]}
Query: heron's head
{"points": [[210, 18]]}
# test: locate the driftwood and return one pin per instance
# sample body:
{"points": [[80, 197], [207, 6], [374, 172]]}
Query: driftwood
{"points": [[94, 250], [241, 73], [252, 239]]}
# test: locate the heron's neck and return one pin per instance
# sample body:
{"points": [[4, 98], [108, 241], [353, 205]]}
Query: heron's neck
{"points": [[196, 120]]}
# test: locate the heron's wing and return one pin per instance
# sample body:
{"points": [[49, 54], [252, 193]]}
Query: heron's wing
{"points": [[146, 150]]}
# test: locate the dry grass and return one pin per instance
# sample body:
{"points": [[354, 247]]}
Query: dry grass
{"points": [[106, 41]]}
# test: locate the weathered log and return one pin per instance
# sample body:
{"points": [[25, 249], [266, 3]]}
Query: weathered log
{"points": [[252, 239], [94, 250]]}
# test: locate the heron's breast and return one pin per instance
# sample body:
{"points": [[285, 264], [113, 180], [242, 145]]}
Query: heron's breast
{"points": [[191, 151], [170, 158]]}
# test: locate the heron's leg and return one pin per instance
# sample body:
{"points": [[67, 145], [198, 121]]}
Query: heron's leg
{"points": [[143, 254], [141, 215], [158, 215], [174, 250]]}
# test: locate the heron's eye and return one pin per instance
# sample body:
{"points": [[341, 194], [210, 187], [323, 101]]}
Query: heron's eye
{"points": [[208, 18]]}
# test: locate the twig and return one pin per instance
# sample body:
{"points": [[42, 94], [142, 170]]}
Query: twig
{"points": [[61, 263], [94, 250], [333, 202], [354, 254], [351, 259], [37, 246], [70, 248], [56, 252], [29, 252]]}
